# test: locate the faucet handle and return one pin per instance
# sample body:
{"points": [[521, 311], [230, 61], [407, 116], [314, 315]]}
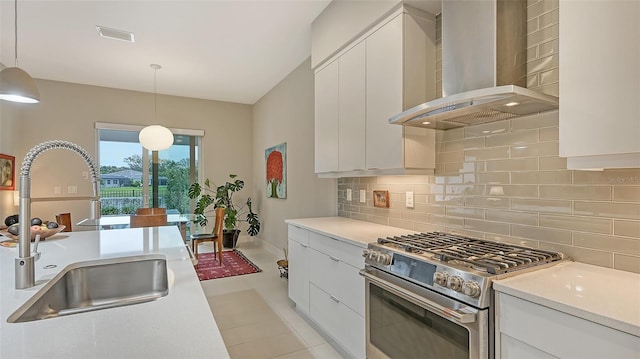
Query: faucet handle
{"points": [[35, 253]]}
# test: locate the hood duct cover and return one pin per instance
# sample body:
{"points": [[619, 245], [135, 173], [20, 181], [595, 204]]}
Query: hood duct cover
{"points": [[483, 68]]}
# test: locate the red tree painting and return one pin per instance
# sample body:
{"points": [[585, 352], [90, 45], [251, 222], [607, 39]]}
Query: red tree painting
{"points": [[276, 167]]}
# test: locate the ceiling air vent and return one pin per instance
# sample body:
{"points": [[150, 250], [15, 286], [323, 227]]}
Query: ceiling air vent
{"points": [[115, 34]]}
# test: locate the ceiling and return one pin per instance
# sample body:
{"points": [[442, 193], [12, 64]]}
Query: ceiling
{"points": [[232, 51]]}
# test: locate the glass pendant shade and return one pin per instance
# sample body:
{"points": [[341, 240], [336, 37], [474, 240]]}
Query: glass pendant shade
{"points": [[16, 85], [156, 138]]}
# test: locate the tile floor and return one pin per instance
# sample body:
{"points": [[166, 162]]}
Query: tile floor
{"points": [[254, 314]]}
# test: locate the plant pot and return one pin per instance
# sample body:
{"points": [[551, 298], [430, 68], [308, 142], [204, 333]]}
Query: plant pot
{"points": [[230, 238]]}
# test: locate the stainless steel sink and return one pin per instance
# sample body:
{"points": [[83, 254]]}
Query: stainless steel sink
{"points": [[98, 284]]}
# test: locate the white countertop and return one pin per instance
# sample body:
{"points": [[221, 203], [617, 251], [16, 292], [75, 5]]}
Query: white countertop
{"points": [[179, 325], [357, 232], [605, 296]]}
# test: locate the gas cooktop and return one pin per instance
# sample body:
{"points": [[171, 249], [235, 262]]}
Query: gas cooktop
{"points": [[454, 265]]}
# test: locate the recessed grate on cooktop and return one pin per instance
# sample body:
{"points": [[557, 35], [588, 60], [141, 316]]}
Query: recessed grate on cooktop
{"points": [[492, 257]]}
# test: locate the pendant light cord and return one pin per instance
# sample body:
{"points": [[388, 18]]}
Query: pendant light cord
{"points": [[155, 94], [155, 68], [15, 31]]}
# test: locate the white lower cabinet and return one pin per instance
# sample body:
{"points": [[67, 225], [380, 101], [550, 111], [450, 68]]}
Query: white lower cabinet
{"points": [[299, 267], [344, 325], [529, 330], [328, 287]]}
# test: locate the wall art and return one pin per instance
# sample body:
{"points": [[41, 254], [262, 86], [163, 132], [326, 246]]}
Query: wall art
{"points": [[276, 179], [7, 172]]}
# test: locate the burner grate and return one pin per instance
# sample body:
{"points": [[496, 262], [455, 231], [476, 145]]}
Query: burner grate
{"points": [[489, 256]]}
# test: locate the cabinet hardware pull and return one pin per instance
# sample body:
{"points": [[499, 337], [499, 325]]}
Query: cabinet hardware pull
{"points": [[334, 299], [334, 259], [303, 245]]}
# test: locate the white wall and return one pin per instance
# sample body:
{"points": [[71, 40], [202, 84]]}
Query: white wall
{"points": [[286, 114], [69, 112]]}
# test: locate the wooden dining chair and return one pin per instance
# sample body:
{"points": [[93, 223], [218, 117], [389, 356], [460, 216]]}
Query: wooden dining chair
{"points": [[147, 220], [151, 210], [64, 219], [215, 237]]}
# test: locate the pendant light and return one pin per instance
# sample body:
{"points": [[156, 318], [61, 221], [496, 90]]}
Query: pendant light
{"points": [[155, 137], [16, 85]]}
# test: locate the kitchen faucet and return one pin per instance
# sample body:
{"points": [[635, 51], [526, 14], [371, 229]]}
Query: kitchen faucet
{"points": [[25, 263]]}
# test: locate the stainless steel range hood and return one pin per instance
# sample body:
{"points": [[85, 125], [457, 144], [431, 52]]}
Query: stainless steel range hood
{"points": [[483, 68]]}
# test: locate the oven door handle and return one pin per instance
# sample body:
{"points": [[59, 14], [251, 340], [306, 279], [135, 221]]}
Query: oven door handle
{"points": [[461, 318]]}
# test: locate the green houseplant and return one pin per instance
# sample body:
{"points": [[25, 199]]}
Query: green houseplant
{"points": [[222, 196]]}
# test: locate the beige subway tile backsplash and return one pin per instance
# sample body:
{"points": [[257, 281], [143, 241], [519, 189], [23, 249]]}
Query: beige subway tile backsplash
{"points": [[626, 263], [505, 180], [511, 138], [573, 223], [607, 209], [626, 228], [542, 206], [609, 243], [626, 194], [541, 234], [594, 193]]}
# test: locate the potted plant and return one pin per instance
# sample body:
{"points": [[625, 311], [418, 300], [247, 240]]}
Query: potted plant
{"points": [[222, 196]]}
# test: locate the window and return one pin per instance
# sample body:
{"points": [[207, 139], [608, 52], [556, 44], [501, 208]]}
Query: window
{"points": [[125, 168]]}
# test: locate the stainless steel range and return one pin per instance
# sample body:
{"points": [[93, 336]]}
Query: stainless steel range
{"points": [[429, 295]]}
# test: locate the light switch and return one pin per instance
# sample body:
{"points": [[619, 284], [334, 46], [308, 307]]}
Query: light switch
{"points": [[57, 190], [349, 195], [363, 196], [409, 199]]}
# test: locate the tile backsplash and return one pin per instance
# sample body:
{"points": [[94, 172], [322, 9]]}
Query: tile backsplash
{"points": [[504, 181]]}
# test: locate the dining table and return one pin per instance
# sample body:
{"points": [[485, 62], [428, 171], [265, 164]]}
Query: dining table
{"points": [[124, 221]]}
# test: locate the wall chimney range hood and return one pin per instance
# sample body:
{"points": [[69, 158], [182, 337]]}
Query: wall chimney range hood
{"points": [[483, 68]]}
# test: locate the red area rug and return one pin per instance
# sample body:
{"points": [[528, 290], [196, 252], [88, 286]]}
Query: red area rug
{"points": [[233, 263]]}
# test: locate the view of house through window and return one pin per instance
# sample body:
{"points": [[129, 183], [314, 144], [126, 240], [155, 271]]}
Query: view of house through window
{"points": [[125, 172]]}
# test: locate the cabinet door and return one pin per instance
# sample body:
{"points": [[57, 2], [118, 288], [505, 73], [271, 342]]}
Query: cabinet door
{"points": [[600, 84], [337, 320], [557, 333], [384, 148], [299, 275], [352, 109], [326, 119]]}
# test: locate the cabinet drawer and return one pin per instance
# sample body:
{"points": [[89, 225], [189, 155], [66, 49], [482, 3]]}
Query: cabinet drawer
{"points": [[343, 251], [299, 235], [559, 334], [337, 320], [338, 279]]}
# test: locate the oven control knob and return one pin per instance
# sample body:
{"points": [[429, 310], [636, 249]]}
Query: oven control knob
{"points": [[384, 259], [365, 253], [440, 278], [471, 289], [456, 283]]}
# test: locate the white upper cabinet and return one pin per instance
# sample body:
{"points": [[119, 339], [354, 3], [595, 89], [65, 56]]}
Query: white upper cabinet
{"points": [[387, 70], [352, 109], [600, 84], [326, 119]]}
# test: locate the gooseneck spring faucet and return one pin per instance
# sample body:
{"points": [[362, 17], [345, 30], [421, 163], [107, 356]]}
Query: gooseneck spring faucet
{"points": [[25, 263]]}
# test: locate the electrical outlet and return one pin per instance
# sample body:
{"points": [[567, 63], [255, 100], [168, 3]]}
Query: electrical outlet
{"points": [[72, 189], [349, 195], [85, 175], [363, 196], [57, 190], [409, 199]]}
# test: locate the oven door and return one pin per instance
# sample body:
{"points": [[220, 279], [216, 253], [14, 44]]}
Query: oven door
{"points": [[404, 320]]}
